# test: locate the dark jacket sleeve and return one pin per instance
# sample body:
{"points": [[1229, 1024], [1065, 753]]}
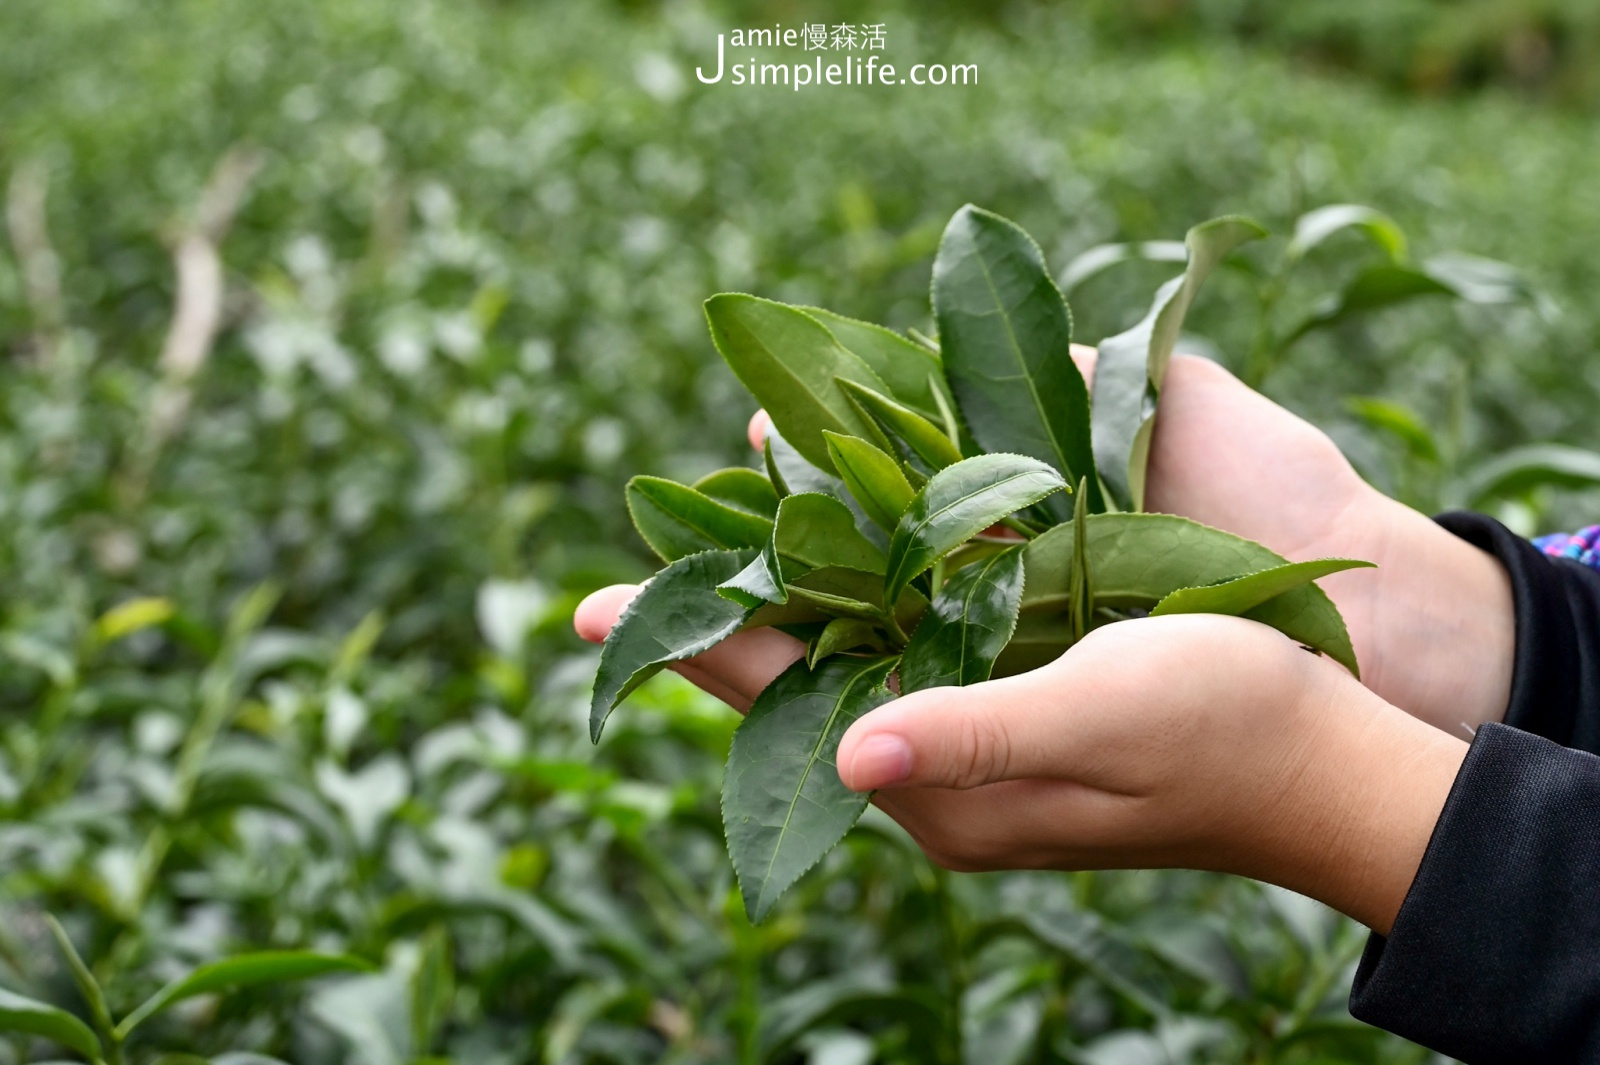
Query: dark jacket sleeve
{"points": [[1495, 954]]}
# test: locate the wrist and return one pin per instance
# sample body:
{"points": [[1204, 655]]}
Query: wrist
{"points": [[1439, 638], [1372, 785]]}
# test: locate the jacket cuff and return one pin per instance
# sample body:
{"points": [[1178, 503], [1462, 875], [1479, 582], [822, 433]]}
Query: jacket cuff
{"points": [[1491, 958]]}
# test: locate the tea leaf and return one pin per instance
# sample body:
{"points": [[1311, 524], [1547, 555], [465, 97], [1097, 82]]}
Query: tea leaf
{"points": [[1314, 227], [758, 583], [912, 372], [1524, 468], [1004, 335], [244, 970], [800, 477], [1102, 257], [1133, 365], [872, 477], [676, 615], [959, 502], [1243, 594], [1375, 287], [924, 439], [782, 803], [789, 360], [741, 488], [967, 625], [30, 1017], [842, 634], [1140, 559], [818, 530], [676, 520], [1399, 422]]}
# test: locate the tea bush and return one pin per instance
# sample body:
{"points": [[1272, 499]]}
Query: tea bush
{"points": [[284, 660]]}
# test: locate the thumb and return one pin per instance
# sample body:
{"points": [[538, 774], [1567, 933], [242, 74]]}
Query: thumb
{"points": [[959, 737]]}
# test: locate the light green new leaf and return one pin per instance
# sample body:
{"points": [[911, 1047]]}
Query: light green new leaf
{"points": [[29, 1017], [741, 488], [1314, 227], [1133, 365], [1102, 257], [676, 520], [1004, 335], [959, 502], [817, 530], [842, 634], [1522, 469], [789, 360], [1139, 559], [872, 477], [676, 615], [1243, 594], [782, 803], [968, 624], [912, 372], [243, 970], [921, 437], [1398, 421]]}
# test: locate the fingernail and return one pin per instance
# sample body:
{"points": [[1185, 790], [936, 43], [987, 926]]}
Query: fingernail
{"points": [[879, 761]]}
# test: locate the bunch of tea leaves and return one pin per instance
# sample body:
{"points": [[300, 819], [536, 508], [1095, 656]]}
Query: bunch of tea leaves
{"points": [[928, 514]]}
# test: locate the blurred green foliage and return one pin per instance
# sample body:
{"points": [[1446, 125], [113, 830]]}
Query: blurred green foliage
{"points": [[284, 659]]}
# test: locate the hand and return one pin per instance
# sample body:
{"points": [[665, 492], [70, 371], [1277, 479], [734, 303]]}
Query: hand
{"points": [[1433, 626], [1192, 741]]}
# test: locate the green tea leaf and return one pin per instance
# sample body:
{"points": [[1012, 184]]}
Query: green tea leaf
{"points": [[789, 360], [1139, 559], [1525, 468], [1133, 365], [29, 1017], [741, 488], [758, 583], [922, 438], [1399, 422], [1102, 257], [872, 477], [243, 970], [959, 502], [1243, 594], [1375, 287], [676, 520], [780, 484], [1314, 227], [1004, 335], [817, 530], [676, 615], [88, 986], [800, 477], [782, 803], [968, 624], [843, 634], [912, 372]]}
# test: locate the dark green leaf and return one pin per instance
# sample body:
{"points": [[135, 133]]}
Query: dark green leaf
{"points": [[782, 803], [967, 625], [676, 615], [1375, 287], [818, 530], [676, 520], [758, 583], [1139, 559], [921, 437], [912, 372], [873, 478], [789, 360], [1522, 469], [1004, 335], [29, 1017], [1133, 365], [244, 970], [742, 488], [842, 634], [959, 502], [1314, 227], [1243, 594]]}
